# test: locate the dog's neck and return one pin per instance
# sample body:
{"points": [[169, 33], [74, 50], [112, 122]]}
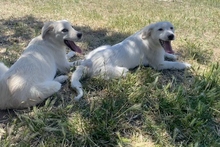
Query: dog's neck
{"points": [[55, 44]]}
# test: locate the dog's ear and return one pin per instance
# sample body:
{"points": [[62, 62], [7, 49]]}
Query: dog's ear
{"points": [[146, 32], [48, 26]]}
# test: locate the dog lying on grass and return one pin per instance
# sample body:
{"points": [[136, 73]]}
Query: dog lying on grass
{"points": [[30, 80], [147, 47]]}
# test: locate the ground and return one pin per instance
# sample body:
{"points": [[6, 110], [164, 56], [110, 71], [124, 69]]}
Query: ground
{"points": [[148, 107]]}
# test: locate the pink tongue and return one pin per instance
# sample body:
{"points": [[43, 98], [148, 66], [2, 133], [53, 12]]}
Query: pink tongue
{"points": [[75, 47], [167, 47]]}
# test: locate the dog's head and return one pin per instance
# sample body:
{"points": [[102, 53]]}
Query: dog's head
{"points": [[62, 32], [161, 33]]}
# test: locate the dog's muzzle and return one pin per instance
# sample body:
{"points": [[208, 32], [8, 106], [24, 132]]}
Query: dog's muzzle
{"points": [[79, 35], [170, 37]]}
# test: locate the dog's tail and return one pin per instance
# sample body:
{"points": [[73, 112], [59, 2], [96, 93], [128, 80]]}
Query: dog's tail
{"points": [[75, 81], [3, 69], [79, 73]]}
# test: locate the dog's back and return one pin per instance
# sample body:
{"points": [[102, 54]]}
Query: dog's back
{"points": [[3, 69], [17, 81], [3, 87]]}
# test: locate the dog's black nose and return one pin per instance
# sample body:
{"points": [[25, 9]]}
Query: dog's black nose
{"points": [[79, 35], [171, 37]]}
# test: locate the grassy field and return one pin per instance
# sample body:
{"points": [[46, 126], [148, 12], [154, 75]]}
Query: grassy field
{"points": [[148, 107]]}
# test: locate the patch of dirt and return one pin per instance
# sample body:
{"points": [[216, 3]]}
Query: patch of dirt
{"points": [[216, 54]]}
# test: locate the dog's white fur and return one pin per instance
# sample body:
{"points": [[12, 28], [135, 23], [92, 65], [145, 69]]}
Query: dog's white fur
{"points": [[141, 48], [30, 79]]}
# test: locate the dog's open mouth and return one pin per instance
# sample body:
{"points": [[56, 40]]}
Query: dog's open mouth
{"points": [[167, 46], [72, 46]]}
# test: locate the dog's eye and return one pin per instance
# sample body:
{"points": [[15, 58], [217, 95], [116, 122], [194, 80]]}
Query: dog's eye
{"points": [[160, 29], [171, 28], [65, 30]]}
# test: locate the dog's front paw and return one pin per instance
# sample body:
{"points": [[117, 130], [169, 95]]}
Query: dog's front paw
{"points": [[61, 79], [172, 57], [65, 69], [187, 65], [70, 54], [175, 57]]}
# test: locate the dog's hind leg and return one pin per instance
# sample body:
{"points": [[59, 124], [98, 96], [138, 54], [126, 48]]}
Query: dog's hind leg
{"points": [[122, 71], [115, 72], [41, 91]]}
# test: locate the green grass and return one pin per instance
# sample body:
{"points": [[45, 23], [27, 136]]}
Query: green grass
{"points": [[148, 107]]}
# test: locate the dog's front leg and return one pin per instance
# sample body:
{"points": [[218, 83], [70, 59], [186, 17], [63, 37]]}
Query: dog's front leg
{"points": [[171, 56], [61, 79], [64, 67], [172, 65]]}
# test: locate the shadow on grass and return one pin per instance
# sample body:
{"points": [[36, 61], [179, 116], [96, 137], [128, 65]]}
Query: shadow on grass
{"points": [[170, 107], [19, 30], [126, 108], [95, 38], [15, 35]]}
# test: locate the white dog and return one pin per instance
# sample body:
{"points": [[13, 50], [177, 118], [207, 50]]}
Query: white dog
{"points": [[149, 46], [30, 80]]}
